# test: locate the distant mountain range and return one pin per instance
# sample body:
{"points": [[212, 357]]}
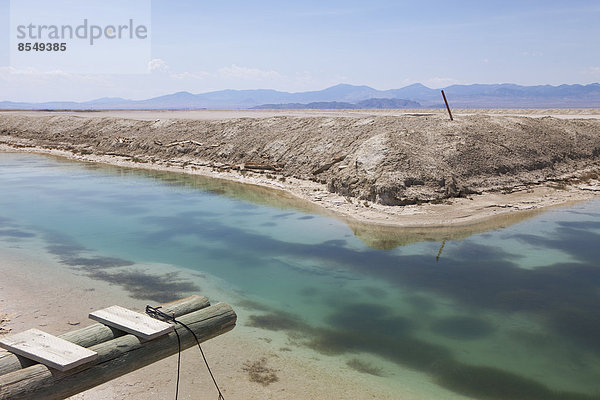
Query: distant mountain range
{"points": [[340, 105], [351, 96]]}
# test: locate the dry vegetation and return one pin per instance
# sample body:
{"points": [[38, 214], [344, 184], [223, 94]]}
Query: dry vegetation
{"points": [[364, 367], [259, 372], [3, 320]]}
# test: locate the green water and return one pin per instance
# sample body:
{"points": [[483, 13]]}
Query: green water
{"points": [[508, 314]]}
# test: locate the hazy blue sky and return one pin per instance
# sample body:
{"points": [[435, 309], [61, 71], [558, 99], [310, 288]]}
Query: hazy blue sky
{"points": [[201, 46]]}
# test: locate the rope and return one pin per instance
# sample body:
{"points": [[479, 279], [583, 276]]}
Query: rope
{"points": [[178, 363], [156, 313]]}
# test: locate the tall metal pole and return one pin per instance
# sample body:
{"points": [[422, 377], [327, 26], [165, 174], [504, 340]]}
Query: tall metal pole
{"points": [[447, 106]]}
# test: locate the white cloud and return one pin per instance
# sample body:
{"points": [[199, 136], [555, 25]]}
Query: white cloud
{"points": [[29, 72], [157, 65], [182, 76], [303, 78], [438, 82], [590, 72], [235, 71]]}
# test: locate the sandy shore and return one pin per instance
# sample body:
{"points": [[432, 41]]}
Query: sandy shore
{"points": [[300, 375]]}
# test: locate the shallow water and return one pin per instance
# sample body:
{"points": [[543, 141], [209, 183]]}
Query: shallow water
{"points": [[512, 313]]}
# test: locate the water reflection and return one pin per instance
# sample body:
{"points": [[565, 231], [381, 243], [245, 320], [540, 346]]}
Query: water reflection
{"points": [[510, 313]]}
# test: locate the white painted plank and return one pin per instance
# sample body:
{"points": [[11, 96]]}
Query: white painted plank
{"points": [[137, 324], [47, 349]]}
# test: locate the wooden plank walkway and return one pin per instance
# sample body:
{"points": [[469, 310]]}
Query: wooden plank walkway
{"points": [[49, 350], [99, 333], [137, 324], [116, 357]]}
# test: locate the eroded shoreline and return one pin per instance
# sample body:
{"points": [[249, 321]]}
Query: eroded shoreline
{"points": [[378, 225], [392, 177]]}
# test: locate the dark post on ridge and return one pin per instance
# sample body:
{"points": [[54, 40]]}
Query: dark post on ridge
{"points": [[447, 106]]}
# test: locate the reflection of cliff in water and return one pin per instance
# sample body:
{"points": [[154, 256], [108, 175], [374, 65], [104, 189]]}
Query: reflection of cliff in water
{"points": [[389, 237], [373, 235]]}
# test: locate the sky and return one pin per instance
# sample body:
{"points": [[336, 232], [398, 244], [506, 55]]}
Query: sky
{"points": [[200, 46]]}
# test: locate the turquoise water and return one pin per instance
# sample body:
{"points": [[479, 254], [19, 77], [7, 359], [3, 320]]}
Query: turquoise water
{"points": [[508, 314]]}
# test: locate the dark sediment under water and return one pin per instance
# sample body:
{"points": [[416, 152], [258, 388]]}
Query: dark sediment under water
{"points": [[513, 313]]}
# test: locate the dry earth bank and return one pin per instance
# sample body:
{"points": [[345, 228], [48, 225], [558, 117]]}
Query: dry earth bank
{"points": [[370, 159]]}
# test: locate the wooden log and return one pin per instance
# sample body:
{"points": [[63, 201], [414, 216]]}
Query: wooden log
{"points": [[116, 357], [118, 155], [328, 165], [182, 142], [98, 333], [261, 167]]}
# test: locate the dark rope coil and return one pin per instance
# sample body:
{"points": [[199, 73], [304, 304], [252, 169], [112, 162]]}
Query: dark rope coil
{"points": [[154, 312]]}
